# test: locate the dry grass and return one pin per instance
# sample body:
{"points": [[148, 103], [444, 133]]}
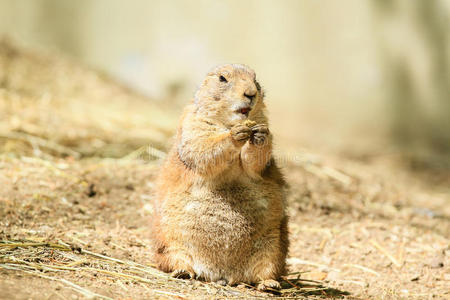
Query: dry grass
{"points": [[52, 106], [51, 260], [76, 172]]}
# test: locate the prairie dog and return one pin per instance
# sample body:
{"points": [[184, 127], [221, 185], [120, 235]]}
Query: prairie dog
{"points": [[219, 211]]}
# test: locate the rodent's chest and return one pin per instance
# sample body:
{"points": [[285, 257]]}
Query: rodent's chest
{"points": [[238, 198]]}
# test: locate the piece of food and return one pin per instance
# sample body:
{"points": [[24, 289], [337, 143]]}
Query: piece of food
{"points": [[250, 123]]}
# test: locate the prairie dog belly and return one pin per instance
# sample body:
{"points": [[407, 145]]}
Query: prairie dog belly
{"points": [[221, 228]]}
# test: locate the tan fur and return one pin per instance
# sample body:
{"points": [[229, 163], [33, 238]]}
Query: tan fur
{"points": [[220, 203]]}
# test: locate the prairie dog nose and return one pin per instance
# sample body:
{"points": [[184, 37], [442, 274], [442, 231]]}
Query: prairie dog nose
{"points": [[250, 93]]}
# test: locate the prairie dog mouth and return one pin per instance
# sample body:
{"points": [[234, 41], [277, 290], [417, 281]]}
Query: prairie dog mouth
{"points": [[244, 110]]}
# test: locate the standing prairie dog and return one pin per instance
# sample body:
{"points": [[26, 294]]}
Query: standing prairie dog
{"points": [[219, 211]]}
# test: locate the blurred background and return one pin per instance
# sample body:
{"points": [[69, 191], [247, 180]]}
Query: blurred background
{"points": [[353, 77]]}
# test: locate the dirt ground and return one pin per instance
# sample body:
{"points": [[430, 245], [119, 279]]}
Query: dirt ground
{"points": [[77, 178]]}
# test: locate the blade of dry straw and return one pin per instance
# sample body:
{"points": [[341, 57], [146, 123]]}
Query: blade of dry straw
{"points": [[72, 285], [31, 139], [385, 252], [365, 269]]}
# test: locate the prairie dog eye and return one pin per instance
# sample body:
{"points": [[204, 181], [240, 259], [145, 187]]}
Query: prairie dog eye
{"points": [[222, 79]]}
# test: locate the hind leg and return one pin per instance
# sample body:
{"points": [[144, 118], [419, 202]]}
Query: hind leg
{"points": [[267, 271], [174, 261], [178, 263], [269, 263]]}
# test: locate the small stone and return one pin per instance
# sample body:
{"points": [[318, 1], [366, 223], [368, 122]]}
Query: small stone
{"points": [[415, 278], [436, 262], [91, 192], [333, 276]]}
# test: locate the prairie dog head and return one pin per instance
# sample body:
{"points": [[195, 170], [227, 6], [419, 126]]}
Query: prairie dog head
{"points": [[230, 94]]}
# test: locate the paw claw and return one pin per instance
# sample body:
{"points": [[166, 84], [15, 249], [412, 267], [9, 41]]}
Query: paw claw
{"points": [[241, 132], [222, 282], [262, 128], [260, 134], [268, 284], [183, 274], [259, 139]]}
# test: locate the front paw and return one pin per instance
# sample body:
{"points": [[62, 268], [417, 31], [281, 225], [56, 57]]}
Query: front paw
{"points": [[268, 284], [241, 133], [183, 274], [260, 135]]}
